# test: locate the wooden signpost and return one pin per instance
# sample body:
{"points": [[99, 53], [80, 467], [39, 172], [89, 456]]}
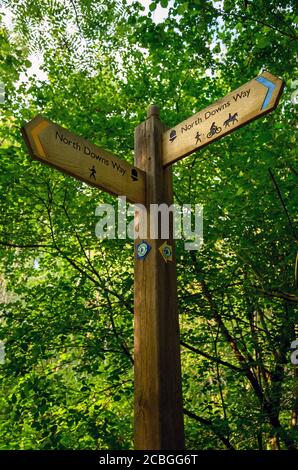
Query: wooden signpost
{"points": [[158, 393], [249, 102], [58, 147], [157, 369]]}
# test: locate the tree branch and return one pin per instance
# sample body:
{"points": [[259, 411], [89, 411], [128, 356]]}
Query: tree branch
{"points": [[279, 295], [212, 358], [23, 246], [245, 17], [209, 423], [282, 203], [76, 15], [230, 340]]}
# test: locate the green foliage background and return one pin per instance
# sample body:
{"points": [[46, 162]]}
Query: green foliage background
{"points": [[67, 298]]}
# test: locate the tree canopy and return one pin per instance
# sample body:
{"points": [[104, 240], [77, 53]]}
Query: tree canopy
{"points": [[66, 298]]}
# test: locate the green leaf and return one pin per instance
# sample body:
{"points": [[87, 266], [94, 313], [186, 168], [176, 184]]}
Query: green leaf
{"points": [[152, 6], [182, 8]]}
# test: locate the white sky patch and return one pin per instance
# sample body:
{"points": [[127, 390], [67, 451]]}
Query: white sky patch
{"points": [[6, 18], [35, 59], [36, 263], [159, 14], [35, 69]]}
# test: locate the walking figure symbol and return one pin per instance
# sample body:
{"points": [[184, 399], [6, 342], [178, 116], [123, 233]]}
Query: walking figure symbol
{"points": [[198, 137], [92, 172]]}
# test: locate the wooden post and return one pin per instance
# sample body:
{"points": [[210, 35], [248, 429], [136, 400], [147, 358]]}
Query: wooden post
{"points": [[158, 394]]}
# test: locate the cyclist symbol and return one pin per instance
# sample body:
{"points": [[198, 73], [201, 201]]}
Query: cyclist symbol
{"points": [[214, 129]]}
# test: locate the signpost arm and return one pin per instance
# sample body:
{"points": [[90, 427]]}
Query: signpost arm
{"points": [[158, 395]]}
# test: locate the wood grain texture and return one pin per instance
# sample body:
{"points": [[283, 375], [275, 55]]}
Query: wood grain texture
{"points": [[75, 156], [228, 114], [158, 395]]}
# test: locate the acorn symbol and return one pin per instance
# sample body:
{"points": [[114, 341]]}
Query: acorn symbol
{"points": [[173, 135], [134, 175]]}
